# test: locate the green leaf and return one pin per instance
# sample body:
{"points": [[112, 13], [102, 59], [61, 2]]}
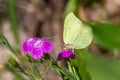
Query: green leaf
{"points": [[71, 6], [73, 71], [4, 42], [79, 64], [107, 35], [102, 68], [69, 75], [12, 18], [16, 74]]}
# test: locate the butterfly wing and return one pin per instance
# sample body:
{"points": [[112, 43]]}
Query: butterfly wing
{"points": [[84, 37], [76, 33], [71, 28]]}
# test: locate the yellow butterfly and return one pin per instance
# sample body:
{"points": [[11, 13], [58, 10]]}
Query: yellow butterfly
{"points": [[76, 33]]}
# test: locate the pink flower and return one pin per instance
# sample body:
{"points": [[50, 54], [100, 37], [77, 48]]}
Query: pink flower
{"points": [[28, 44], [37, 47], [66, 54]]}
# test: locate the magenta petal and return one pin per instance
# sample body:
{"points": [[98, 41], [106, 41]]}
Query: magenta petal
{"points": [[36, 53], [37, 47], [28, 45], [59, 57], [44, 45], [47, 46], [73, 56], [25, 47], [38, 44], [66, 54]]}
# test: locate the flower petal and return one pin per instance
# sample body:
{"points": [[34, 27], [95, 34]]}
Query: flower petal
{"points": [[37, 47], [28, 44], [44, 45], [60, 57], [47, 46], [36, 53], [73, 56], [66, 54]]}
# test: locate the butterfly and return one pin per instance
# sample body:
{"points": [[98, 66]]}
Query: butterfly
{"points": [[76, 33]]}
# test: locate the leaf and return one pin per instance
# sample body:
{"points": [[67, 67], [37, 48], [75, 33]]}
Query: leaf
{"points": [[107, 35], [12, 18], [69, 75], [102, 68], [80, 65], [4, 42], [16, 74], [71, 6], [76, 33], [74, 71]]}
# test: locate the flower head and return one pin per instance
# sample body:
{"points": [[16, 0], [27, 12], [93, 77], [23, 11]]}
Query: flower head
{"points": [[66, 54], [28, 44], [37, 47]]}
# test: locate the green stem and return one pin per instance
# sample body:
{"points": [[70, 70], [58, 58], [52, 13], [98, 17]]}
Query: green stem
{"points": [[116, 52]]}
